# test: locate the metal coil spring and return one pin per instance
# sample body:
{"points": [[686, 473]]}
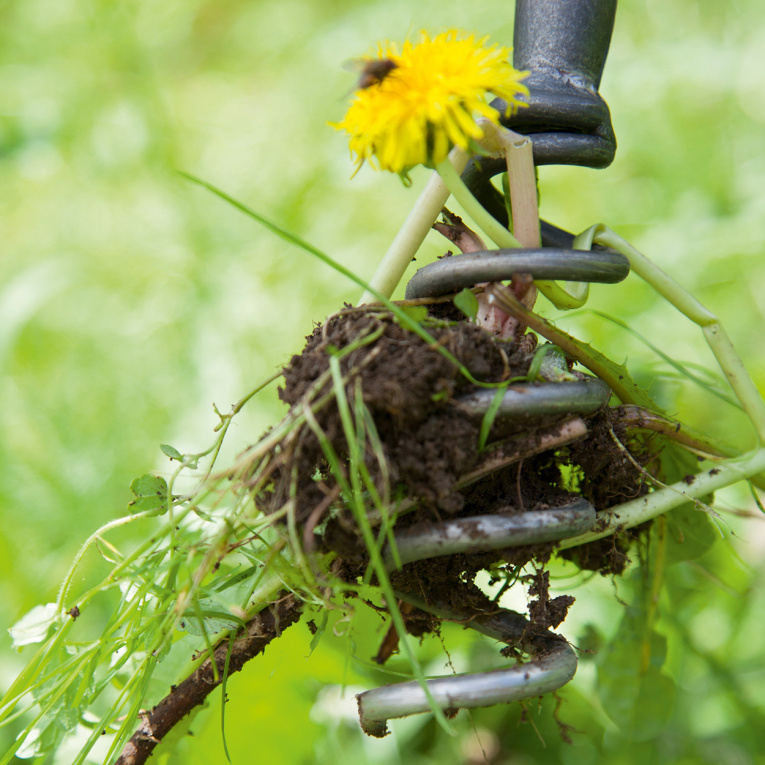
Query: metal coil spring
{"points": [[554, 260], [564, 45]]}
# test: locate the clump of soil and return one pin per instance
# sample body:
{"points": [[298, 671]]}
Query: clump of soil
{"points": [[408, 387], [544, 611], [417, 442]]}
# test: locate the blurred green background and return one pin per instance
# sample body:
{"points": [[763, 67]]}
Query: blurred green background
{"points": [[130, 301]]}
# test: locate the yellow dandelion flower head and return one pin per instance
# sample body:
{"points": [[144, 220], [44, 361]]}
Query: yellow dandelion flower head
{"points": [[415, 111]]}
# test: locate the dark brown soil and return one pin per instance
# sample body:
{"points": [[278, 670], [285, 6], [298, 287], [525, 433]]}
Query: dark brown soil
{"points": [[546, 612], [408, 388], [424, 444]]}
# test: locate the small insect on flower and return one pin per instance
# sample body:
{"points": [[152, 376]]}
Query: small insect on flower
{"points": [[372, 70], [440, 87]]}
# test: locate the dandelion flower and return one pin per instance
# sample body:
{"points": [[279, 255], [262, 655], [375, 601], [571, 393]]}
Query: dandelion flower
{"points": [[429, 101]]}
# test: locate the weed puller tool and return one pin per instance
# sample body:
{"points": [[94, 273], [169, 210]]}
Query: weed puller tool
{"points": [[332, 472], [564, 46]]}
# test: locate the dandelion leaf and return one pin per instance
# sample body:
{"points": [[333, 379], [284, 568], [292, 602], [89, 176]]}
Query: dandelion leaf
{"points": [[691, 530], [634, 692]]}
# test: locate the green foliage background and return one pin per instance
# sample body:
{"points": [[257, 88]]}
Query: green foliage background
{"points": [[131, 300]]}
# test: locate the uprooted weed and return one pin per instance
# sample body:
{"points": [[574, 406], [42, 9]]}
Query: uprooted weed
{"points": [[413, 444]]}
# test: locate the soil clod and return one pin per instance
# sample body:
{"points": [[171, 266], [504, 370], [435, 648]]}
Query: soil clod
{"points": [[398, 393]]}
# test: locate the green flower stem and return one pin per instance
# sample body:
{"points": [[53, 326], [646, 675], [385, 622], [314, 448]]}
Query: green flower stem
{"points": [[498, 234], [717, 338], [522, 180], [639, 510], [94, 537], [485, 220], [412, 234]]}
